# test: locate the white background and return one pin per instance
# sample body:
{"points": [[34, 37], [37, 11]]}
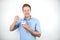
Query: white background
{"points": [[46, 11]]}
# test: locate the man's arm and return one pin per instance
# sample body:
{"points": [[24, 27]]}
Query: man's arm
{"points": [[14, 23], [12, 26], [35, 33]]}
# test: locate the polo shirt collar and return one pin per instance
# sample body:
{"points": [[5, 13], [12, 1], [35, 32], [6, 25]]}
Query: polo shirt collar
{"points": [[29, 19]]}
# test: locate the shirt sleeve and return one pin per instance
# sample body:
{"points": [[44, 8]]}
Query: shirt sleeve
{"points": [[37, 27], [17, 25]]}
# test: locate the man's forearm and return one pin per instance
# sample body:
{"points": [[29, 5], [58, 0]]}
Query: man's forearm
{"points": [[12, 26], [35, 33]]}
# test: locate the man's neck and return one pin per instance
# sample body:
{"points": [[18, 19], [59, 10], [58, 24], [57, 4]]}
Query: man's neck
{"points": [[28, 17]]}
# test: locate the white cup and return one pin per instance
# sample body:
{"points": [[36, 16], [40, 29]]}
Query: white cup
{"points": [[23, 22]]}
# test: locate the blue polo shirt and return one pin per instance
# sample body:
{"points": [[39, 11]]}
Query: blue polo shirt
{"points": [[33, 23]]}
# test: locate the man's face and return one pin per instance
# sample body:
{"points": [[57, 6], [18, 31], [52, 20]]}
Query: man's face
{"points": [[26, 11]]}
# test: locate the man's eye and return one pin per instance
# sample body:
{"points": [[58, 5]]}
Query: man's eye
{"points": [[28, 10], [25, 10]]}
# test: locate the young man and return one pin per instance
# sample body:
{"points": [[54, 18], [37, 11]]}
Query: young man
{"points": [[29, 26]]}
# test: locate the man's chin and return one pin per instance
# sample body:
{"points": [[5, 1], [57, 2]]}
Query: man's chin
{"points": [[26, 15]]}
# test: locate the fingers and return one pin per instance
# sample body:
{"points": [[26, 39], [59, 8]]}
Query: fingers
{"points": [[16, 18]]}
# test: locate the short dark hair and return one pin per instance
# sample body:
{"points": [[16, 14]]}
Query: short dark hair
{"points": [[25, 5]]}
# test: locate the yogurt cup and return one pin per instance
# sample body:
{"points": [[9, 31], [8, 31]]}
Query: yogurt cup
{"points": [[23, 22]]}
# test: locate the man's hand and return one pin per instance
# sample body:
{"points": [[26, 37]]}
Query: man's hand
{"points": [[16, 18], [26, 26]]}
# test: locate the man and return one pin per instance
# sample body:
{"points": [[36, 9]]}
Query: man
{"points": [[29, 26]]}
